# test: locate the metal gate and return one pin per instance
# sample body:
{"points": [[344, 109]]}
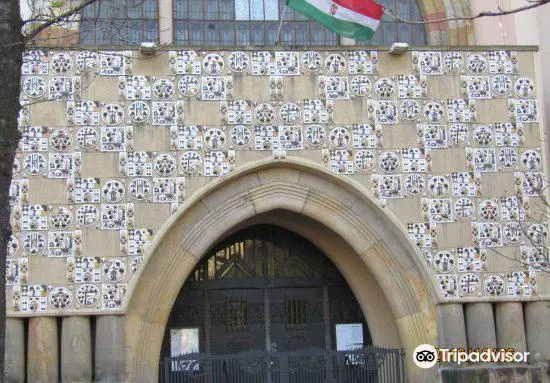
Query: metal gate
{"points": [[367, 365]]}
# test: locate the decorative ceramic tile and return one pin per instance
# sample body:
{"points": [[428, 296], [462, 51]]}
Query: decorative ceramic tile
{"points": [[60, 165], [33, 87], [335, 63], [469, 284], [529, 184], [35, 62], [86, 190], [33, 298], [466, 184], [276, 87], [341, 161], [367, 136], [513, 208], [494, 285], [471, 259], [163, 89], [360, 86], [290, 113], [422, 234], [416, 160], [64, 88], [503, 62], [340, 137], [213, 64], [318, 111], [409, 109], [486, 234], [165, 189], [531, 160], [363, 62], [364, 160], [117, 63], [415, 184], [459, 110], [438, 186], [190, 162], [411, 86], [508, 134], [113, 217], [464, 209], [82, 113], [34, 243], [262, 63], [112, 295], [525, 111], [432, 136], [61, 63], [507, 157], [311, 61], [134, 87], [34, 217], [427, 63], [287, 63], [477, 63], [536, 258], [165, 113], [87, 215], [334, 88], [139, 111], [386, 186], [501, 85], [87, 61], [184, 62], [476, 87], [236, 112], [218, 163], [238, 61], [433, 112], [60, 298], [61, 243], [453, 62], [512, 232], [448, 286], [521, 283], [13, 246], [383, 111], [315, 135], [481, 160], [524, 87], [437, 210], [264, 113], [488, 210], [88, 295], [240, 135]]}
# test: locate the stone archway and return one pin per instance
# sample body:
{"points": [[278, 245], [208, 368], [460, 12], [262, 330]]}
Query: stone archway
{"points": [[366, 243]]}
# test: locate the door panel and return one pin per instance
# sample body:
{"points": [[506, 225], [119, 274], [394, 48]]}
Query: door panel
{"points": [[237, 320], [296, 318]]}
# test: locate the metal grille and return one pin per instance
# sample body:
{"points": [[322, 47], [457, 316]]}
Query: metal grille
{"points": [[296, 312], [371, 364], [237, 314], [116, 22]]}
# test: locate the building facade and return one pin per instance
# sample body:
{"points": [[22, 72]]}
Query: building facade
{"points": [[148, 180]]}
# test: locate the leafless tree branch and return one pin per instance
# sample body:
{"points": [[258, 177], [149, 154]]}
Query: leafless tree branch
{"points": [[500, 12]]}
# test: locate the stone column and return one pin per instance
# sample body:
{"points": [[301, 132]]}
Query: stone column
{"points": [[480, 325], [166, 22], [537, 329], [451, 330], [109, 349], [14, 361], [76, 349], [43, 357], [510, 327]]}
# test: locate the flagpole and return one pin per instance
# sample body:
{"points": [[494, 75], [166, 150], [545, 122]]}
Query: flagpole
{"points": [[280, 25]]}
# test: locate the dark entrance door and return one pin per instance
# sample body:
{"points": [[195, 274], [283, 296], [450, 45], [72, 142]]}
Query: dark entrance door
{"points": [[263, 289]]}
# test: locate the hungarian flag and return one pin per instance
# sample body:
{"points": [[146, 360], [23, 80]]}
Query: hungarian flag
{"points": [[356, 19]]}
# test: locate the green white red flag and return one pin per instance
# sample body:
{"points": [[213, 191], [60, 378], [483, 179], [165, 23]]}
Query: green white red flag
{"points": [[356, 19]]}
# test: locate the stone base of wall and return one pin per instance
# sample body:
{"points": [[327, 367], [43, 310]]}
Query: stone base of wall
{"points": [[495, 374]]}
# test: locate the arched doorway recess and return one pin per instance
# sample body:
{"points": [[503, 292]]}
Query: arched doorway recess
{"points": [[368, 245]]}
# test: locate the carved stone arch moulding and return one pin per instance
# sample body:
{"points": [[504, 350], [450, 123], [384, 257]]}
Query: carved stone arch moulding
{"points": [[458, 32], [381, 265]]}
